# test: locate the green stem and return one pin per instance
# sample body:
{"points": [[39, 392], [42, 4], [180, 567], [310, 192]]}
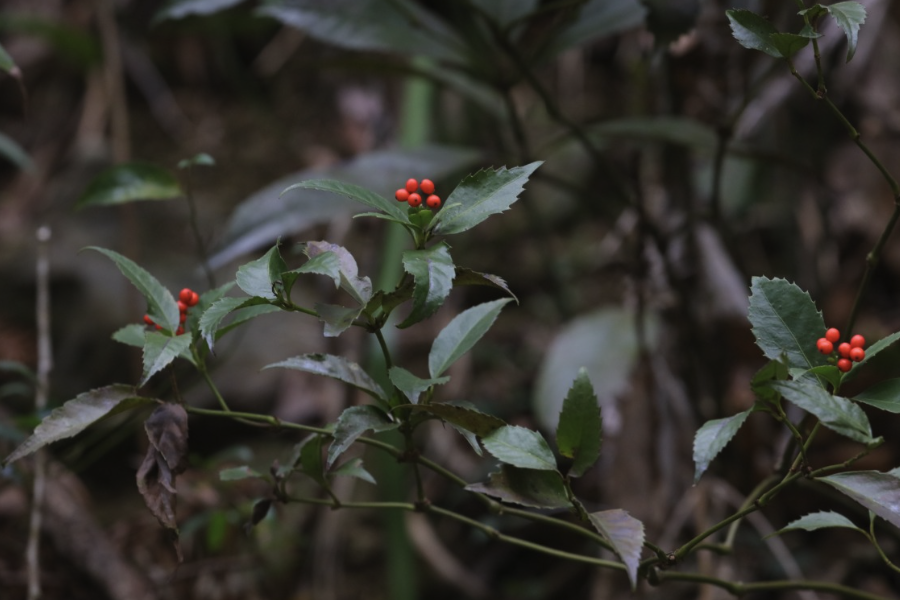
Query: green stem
{"points": [[209, 382], [874, 541], [385, 351], [848, 462], [741, 589]]}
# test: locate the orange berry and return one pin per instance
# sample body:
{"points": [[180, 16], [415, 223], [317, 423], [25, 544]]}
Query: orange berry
{"points": [[411, 185], [401, 195], [195, 298], [844, 364], [824, 346], [415, 200], [844, 350], [182, 306], [833, 335], [857, 341], [433, 201], [427, 186], [185, 295], [148, 320], [857, 354], [180, 330], [182, 318]]}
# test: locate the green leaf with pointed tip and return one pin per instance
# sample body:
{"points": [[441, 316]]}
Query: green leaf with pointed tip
{"points": [[520, 447], [786, 323], [256, 277], [336, 367], [828, 373], [78, 414], [202, 160], [625, 533], [243, 309], [11, 150], [433, 272], [355, 192], [238, 473], [410, 385], [528, 487], [788, 44], [354, 422], [360, 288], [353, 468], [836, 413], [131, 335], [311, 458], [879, 492], [752, 31], [817, 520], [771, 371], [337, 319], [163, 308], [464, 416], [327, 264], [580, 430], [712, 437], [461, 334], [849, 16], [884, 395], [479, 196], [128, 183], [871, 352], [466, 276], [160, 350]]}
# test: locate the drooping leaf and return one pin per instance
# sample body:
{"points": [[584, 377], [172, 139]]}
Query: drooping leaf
{"points": [[128, 183], [354, 192], [163, 308], [466, 276], [433, 272], [712, 437], [12, 151], [410, 385], [884, 395], [238, 473], [212, 317], [311, 458], [479, 196], [871, 352], [786, 323], [78, 414], [131, 335], [337, 319], [836, 413], [160, 350], [260, 511], [598, 19], [520, 447], [167, 431], [752, 31], [528, 487], [461, 334], [772, 371], [353, 468], [354, 422], [817, 520], [179, 9], [580, 429], [201, 159], [360, 288], [849, 16], [336, 367], [625, 533], [879, 492], [255, 277], [466, 417]]}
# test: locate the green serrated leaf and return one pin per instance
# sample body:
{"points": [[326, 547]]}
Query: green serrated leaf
{"points": [[433, 272], [163, 308], [466, 276], [752, 31], [354, 468], [879, 492], [128, 183], [78, 414], [828, 373], [355, 192], [327, 264], [520, 447], [788, 44], [354, 422], [337, 319], [160, 350], [131, 335], [255, 277], [238, 473], [464, 416], [410, 385], [360, 288], [771, 371], [461, 334], [221, 308], [580, 430], [479, 196], [625, 533], [528, 487], [884, 395], [712, 437], [786, 323], [336, 367], [849, 16], [836, 413], [817, 520]]}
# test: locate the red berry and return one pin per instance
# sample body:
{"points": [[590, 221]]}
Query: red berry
{"points": [[182, 318], [195, 298], [433, 201], [857, 341], [182, 306], [833, 335], [844, 365], [401, 195], [857, 354], [415, 200], [185, 295], [180, 330], [844, 350], [158, 327], [148, 320], [411, 185], [825, 347], [427, 186]]}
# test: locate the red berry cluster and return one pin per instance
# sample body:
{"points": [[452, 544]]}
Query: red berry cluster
{"points": [[410, 194], [186, 299], [849, 352]]}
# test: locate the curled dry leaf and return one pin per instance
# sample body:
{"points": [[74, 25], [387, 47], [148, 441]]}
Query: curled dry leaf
{"points": [[167, 430]]}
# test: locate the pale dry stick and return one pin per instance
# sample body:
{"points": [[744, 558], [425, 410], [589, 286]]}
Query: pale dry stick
{"points": [[45, 364]]}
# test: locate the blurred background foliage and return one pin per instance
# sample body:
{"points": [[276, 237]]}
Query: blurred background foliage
{"points": [[677, 165]]}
